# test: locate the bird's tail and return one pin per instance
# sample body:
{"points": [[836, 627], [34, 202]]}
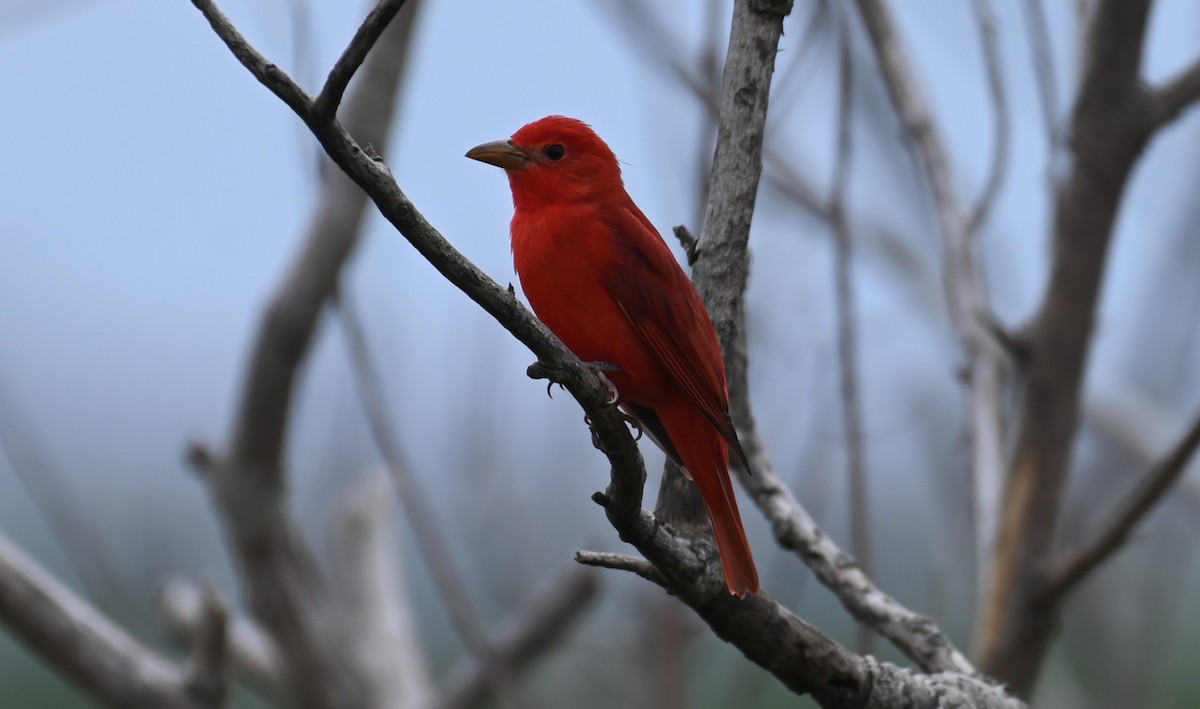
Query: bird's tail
{"points": [[706, 457]]}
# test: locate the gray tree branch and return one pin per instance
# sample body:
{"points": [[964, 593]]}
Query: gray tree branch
{"points": [[85, 645], [527, 634], [1113, 119], [1075, 565], [253, 657]]}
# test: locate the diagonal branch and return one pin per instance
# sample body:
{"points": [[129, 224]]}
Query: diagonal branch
{"points": [[1003, 134], [253, 657], [528, 633], [85, 645], [915, 635], [1075, 565], [1178, 94]]}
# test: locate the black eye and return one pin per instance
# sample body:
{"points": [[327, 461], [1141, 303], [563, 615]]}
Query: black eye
{"points": [[556, 152]]}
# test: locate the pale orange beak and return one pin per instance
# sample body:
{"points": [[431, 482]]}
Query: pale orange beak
{"points": [[501, 153]]}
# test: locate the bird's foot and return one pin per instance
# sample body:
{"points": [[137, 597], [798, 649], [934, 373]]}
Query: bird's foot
{"points": [[538, 370], [599, 368]]}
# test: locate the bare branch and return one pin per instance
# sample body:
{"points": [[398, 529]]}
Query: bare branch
{"points": [[206, 671], [913, 634], [83, 644], [326, 104], [1178, 94], [526, 635], [620, 562], [253, 656], [1075, 565], [1003, 134], [269, 75]]}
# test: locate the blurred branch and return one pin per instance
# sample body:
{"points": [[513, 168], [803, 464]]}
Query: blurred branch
{"points": [[253, 657], [206, 669], [85, 645], [1044, 74], [376, 608], [277, 570], [847, 338], [525, 636], [801, 657], [966, 294], [1177, 94], [1000, 146], [1075, 565], [1113, 120], [419, 511]]}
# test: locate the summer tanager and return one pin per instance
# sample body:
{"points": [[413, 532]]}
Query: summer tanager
{"points": [[601, 278]]}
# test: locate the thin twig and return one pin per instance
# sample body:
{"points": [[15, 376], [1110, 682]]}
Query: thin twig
{"points": [[620, 562], [419, 511], [847, 336], [1178, 93], [365, 37], [528, 633], [1044, 75], [1003, 133], [1075, 565]]}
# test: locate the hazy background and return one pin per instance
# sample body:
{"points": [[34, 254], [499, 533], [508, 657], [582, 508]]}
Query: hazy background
{"points": [[151, 194]]}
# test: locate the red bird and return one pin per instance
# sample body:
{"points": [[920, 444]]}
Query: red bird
{"points": [[599, 275]]}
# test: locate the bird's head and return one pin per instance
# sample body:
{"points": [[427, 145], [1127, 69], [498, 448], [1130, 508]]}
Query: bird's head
{"points": [[554, 160]]}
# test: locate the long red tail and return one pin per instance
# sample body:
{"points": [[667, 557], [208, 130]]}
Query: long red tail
{"points": [[706, 457]]}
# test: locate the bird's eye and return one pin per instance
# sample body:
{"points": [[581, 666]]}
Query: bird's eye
{"points": [[556, 152]]}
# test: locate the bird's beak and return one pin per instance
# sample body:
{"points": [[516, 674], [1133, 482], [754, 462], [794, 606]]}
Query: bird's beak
{"points": [[501, 153]]}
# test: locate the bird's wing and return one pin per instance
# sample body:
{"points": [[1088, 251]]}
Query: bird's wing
{"points": [[666, 312]]}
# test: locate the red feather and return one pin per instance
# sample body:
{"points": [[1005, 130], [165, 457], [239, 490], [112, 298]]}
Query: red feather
{"points": [[602, 279]]}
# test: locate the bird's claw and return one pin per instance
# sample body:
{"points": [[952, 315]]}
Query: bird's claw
{"points": [[638, 432], [599, 368]]}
